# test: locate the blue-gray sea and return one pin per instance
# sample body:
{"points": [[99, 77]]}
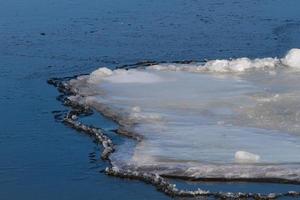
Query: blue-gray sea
{"points": [[41, 158]]}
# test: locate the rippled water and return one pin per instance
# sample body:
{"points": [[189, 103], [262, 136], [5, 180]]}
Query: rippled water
{"points": [[41, 39]]}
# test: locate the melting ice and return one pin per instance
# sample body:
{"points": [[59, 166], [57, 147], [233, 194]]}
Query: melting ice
{"points": [[237, 118]]}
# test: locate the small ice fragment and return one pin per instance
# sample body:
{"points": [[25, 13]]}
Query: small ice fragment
{"points": [[246, 157], [98, 74], [292, 58], [136, 109]]}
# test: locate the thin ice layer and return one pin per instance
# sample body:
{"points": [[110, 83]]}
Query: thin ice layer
{"points": [[203, 124]]}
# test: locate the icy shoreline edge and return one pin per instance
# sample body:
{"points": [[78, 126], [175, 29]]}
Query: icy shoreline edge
{"points": [[159, 182]]}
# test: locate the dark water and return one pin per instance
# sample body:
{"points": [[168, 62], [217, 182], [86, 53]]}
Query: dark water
{"points": [[39, 39]]}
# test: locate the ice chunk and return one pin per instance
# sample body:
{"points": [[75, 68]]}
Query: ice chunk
{"points": [[136, 109], [192, 118], [246, 157], [292, 58], [98, 74]]}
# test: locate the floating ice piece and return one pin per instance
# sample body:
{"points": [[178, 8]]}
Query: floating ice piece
{"points": [[246, 157], [292, 58], [136, 109], [98, 74], [192, 118]]}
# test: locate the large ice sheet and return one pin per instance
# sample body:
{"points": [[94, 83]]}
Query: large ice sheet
{"points": [[224, 118]]}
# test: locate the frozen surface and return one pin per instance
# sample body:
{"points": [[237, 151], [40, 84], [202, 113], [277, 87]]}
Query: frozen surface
{"points": [[224, 118]]}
